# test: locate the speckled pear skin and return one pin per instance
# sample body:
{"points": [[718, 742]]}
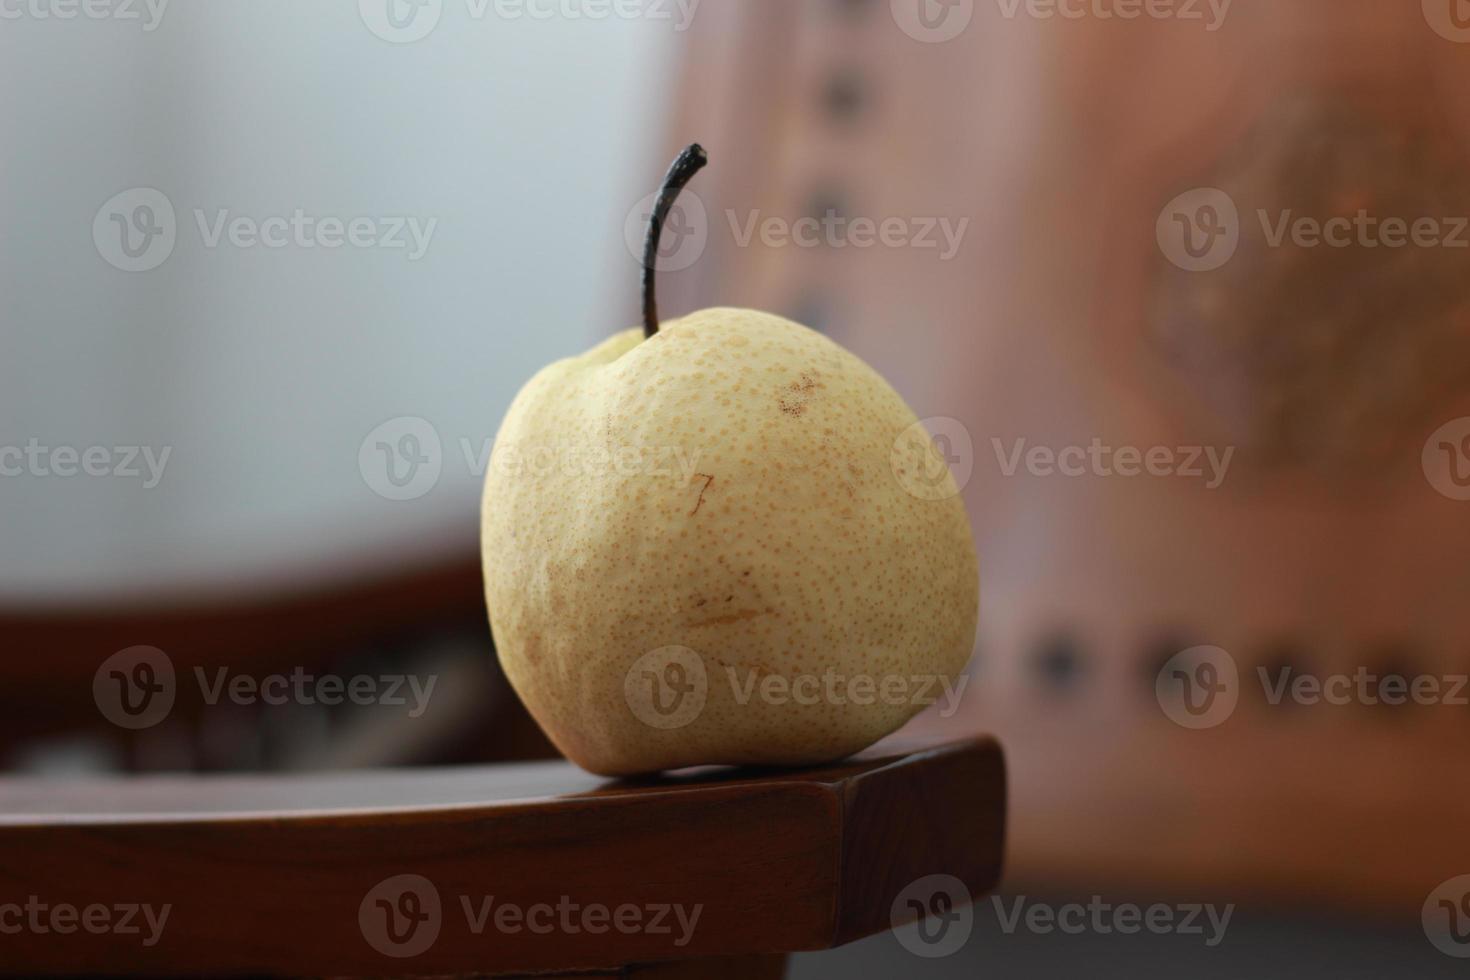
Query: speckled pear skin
{"points": [[753, 517]]}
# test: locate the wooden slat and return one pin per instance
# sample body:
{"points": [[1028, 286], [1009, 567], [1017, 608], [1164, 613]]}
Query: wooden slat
{"points": [[48, 689]]}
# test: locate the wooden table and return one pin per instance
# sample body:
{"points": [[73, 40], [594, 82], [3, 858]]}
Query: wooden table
{"points": [[488, 870]]}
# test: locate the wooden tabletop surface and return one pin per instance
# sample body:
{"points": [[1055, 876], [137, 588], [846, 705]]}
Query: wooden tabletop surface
{"points": [[411, 871]]}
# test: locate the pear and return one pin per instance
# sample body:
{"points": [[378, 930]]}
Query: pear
{"points": [[723, 539]]}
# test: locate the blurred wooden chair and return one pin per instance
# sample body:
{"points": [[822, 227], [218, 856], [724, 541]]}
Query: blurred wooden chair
{"points": [[428, 619], [1062, 140]]}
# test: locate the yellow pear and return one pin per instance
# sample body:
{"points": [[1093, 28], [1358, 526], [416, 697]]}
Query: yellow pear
{"points": [[723, 539], [728, 543]]}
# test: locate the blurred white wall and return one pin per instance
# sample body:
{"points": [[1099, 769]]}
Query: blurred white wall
{"points": [[262, 370]]}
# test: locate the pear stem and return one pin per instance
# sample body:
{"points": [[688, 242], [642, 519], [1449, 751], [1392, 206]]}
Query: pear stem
{"points": [[685, 166]]}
